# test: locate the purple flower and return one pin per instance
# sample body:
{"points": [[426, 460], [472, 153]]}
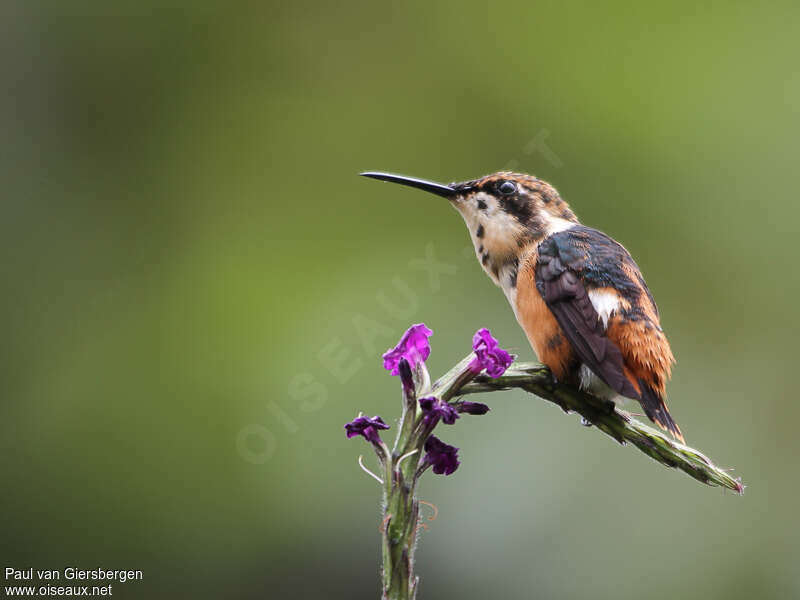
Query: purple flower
{"points": [[472, 408], [488, 355], [443, 457], [413, 346], [366, 427], [435, 409]]}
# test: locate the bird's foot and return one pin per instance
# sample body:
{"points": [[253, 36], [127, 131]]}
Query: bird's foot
{"points": [[552, 384]]}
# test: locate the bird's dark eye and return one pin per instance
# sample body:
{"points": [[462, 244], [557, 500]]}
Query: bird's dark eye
{"points": [[507, 188]]}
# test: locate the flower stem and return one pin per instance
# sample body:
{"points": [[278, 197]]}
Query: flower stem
{"points": [[401, 505], [400, 516]]}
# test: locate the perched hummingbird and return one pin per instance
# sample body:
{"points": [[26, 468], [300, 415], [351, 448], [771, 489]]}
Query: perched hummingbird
{"points": [[577, 293]]}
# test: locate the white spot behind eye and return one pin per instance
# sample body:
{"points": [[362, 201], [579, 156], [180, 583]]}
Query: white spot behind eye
{"points": [[556, 224]]}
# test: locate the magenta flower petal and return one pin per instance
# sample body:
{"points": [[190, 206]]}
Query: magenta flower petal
{"points": [[442, 457], [435, 409], [413, 346], [488, 355], [366, 427]]}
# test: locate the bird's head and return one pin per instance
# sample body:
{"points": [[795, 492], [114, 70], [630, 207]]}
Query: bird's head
{"points": [[504, 212]]}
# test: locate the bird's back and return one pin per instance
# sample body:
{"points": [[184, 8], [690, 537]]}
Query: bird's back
{"points": [[587, 312]]}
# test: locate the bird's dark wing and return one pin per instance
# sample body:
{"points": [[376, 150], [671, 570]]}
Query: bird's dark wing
{"points": [[568, 262]]}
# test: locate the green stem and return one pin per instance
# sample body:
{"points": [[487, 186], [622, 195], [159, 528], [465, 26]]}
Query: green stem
{"points": [[606, 417], [401, 507], [451, 382], [400, 516]]}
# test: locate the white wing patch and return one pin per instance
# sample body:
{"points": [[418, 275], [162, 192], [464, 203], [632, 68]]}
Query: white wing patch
{"points": [[605, 303]]}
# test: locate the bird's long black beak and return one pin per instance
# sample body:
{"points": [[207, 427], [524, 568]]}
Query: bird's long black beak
{"points": [[428, 186]]}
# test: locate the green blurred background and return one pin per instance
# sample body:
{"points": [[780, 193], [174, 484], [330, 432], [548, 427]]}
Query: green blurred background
{"points": [[190, 263]]}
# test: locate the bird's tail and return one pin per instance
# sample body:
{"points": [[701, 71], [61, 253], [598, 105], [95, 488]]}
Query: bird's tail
{"points": [[656, 410]]}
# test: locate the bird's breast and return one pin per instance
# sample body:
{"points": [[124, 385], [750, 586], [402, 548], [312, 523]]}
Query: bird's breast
{"points": [[537, 321]]}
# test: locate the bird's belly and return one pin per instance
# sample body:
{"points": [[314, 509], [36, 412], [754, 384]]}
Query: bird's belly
{"points": [[591, 383]]}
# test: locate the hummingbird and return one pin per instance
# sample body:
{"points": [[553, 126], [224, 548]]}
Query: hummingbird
{"points": [[577, 293]]}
